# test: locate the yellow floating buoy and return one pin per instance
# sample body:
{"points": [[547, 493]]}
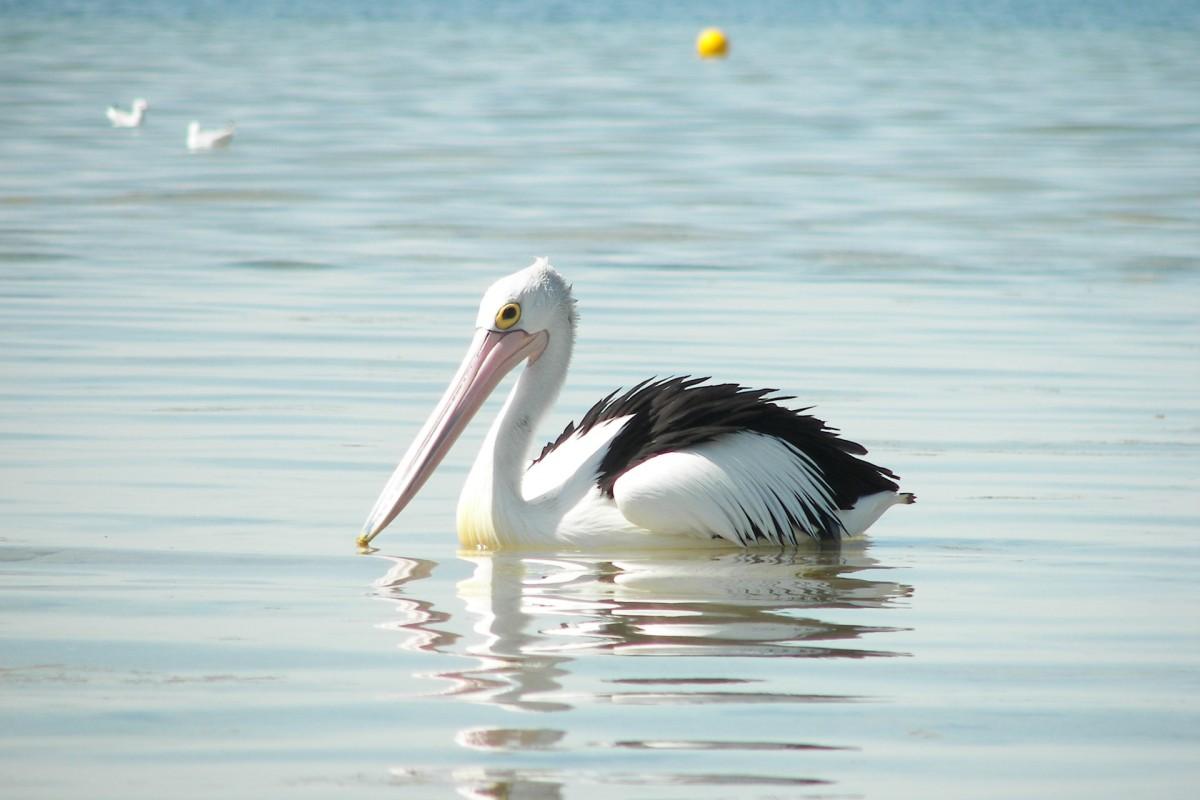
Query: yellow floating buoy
{"points": [[712, 43]]}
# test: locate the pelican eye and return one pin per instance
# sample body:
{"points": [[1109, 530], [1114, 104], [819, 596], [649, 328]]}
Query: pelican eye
{"points": [[508, 315]]}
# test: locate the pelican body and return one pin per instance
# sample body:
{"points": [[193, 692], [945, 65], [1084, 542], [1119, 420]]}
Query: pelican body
{"points": [[128, 119], [667, 464]]}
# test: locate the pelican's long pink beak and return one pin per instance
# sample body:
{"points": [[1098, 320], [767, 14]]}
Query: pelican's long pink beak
{"points": [[491, 356]]}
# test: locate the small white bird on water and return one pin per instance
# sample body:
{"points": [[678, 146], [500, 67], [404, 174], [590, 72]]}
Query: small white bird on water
{"points": [[207, 140], [667, 464], [128, 119]]}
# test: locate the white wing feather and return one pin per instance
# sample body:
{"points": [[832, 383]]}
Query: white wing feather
{"points": [[747, 488], [576, 458]]}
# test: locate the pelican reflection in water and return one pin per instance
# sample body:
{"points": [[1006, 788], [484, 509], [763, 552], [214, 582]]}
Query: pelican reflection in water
{"points": [[531, 616], [531, 619]]}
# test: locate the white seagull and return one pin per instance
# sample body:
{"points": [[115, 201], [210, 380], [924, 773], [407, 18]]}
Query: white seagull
{"points": [[128, 119], [207, 140], [669, 463]]}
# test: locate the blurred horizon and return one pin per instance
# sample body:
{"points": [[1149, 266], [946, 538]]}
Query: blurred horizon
{"points": [[925, 13]]}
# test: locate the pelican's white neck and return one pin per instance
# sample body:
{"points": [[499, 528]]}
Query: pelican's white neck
{"points": [[493, 510]]}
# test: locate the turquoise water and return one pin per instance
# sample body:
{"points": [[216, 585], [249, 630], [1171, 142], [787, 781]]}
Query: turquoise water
{"points": [[971, 243]]}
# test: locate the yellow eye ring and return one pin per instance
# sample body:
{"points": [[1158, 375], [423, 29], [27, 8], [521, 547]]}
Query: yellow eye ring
{"points": [[508, 315]]}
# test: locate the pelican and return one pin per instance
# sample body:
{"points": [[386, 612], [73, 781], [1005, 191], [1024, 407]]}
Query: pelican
{"points": [[671, 463], [207, 140], [128, 119]]}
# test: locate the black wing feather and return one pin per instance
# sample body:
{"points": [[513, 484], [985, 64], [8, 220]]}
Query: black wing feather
{"points": [[676, 413]]}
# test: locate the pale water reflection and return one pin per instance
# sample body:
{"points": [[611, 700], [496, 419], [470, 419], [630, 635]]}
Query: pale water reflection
{"points": [[706, 628], [488, 784]]}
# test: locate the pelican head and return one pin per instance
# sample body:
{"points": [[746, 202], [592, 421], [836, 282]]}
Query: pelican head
{"points": [[520, 317], [140, 105]]}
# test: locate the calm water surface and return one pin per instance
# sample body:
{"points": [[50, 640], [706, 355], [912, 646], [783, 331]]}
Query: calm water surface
{"points": [[973, 247]]}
